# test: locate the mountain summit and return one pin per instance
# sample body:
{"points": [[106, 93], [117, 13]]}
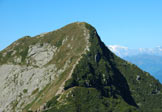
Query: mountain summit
{"points": [[71, 70]]}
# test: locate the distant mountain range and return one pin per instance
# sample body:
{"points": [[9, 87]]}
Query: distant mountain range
{"points": [[148, 59], [125, 51]]}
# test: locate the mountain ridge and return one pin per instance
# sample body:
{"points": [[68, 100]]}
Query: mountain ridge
{"points": [[71, 70], [34, 57]]}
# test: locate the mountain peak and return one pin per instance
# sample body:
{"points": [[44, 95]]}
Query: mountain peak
{"points": [[71, 70]]}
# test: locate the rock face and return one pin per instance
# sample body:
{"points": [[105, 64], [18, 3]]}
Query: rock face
{"points": [[71, 70], [39, 55], [19, 82]]}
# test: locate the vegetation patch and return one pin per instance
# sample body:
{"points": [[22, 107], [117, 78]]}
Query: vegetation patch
{"points": [[25, 91]]}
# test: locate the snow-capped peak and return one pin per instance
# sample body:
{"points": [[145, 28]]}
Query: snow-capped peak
{"points": [[123, 51], [118, 50], [116, 47]]}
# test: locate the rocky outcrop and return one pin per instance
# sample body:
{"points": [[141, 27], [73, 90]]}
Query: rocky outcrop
{"points": [[40, 54], [18, 82]]}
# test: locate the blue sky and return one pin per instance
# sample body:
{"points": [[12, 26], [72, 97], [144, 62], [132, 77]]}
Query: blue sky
{"points": [[131, 23]]}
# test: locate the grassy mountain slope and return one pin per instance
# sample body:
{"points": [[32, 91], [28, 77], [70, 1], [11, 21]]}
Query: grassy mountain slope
{"points": [[115, 81], [149, 63], [88, 76]]}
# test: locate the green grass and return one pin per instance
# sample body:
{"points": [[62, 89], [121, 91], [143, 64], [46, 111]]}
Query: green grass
{"points": [[82, 99], [25, 91]]}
